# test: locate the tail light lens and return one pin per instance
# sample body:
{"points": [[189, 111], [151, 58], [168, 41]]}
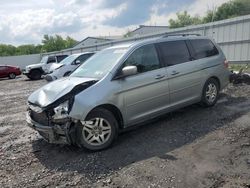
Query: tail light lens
{"points": [[226, 64]]}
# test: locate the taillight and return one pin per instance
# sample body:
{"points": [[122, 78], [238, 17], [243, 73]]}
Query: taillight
{"points": [[226, 64]]}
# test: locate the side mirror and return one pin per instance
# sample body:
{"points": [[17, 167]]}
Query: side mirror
{"points": [[129, 70], [77, 62]]}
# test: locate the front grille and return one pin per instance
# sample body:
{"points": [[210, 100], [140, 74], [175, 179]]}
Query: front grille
{"points": [[41, 118]]}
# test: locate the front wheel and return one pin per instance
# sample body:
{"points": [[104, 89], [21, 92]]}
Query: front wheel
{"points": [[98, 131], [210, 92], [35, 74]]}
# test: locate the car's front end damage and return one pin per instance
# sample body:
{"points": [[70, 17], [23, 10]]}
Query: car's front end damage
{"points": [[54, 125], [48, 112]]}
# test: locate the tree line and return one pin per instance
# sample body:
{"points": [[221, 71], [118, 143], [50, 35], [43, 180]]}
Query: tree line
{"points": [[227, 10], [49, 44]]}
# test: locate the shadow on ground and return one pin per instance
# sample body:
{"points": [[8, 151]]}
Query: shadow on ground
{"points": [[8, 79], [154, 139]]}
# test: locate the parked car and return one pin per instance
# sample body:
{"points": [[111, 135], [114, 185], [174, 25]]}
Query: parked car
{"points": [[48, 63], [68, 65], [9, 71], [128, 84]]}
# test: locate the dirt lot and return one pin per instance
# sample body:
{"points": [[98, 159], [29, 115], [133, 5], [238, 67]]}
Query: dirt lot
{"points": [[193, 147]]}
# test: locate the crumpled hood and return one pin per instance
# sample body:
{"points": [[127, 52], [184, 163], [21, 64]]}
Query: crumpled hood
{"points": [[55, 90]]}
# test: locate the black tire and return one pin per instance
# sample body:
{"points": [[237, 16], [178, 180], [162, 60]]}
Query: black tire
{"points": [[210, 98], [35, 75], [100, 113], [12, 76]]}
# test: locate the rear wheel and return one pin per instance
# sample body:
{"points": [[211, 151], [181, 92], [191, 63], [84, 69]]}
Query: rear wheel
{"points": [[35, 75], [12, 75], [210, 92], [98, 131]]}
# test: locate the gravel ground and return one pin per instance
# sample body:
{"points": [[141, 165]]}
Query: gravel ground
{"points": [[192, 147]]}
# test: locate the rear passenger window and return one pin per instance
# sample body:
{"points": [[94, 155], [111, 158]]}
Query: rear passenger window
{"points": [[174, 52], [144, 58], [203, 48]]}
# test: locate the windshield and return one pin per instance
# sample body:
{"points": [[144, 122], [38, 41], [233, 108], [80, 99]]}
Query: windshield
{"points": [[68, 60], [99, 64], [44, 60]]}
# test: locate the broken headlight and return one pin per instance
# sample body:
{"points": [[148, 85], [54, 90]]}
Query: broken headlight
{"points": [[61, 111]]}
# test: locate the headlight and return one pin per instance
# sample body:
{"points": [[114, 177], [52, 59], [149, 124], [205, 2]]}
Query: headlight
{"points": [[61, 111]]}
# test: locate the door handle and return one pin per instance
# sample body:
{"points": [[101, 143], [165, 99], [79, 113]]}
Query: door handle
{"points": [[159, 76], [174, 73]]}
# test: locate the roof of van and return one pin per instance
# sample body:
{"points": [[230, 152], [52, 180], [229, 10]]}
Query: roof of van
{"points": [[158, 39]]}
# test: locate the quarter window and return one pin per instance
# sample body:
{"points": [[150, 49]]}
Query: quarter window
{"points": [[144, 58], [203, 48], [174, 52]]}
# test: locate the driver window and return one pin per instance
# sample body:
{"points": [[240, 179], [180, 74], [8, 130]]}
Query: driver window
{"points": [[51, 59], [144, 58]]}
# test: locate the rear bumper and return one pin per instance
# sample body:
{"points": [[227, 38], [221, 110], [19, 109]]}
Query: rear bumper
{"points": [[57, 134]]}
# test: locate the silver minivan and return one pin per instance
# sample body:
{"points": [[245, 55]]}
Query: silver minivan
{"points": [[125, 85]]}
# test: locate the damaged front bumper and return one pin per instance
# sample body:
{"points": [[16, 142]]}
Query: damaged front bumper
{"points": [[56, 134]]}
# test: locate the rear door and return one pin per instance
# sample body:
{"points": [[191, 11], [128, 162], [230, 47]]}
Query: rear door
{"points": [[183, 73], [145, 94]]}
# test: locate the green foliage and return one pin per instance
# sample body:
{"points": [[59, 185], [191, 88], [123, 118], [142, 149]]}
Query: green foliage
{"points": [[70, 42], [227, 10], [184, 19], [49, 44], [232, 9], [57, 43], [7, 50]]}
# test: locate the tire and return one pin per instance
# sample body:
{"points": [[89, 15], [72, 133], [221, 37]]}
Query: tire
{"points": [[12, 76], [210, 93], [35, 75], [100, 132]]}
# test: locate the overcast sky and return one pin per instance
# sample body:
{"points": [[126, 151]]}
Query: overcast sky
{"points": [[26, 21]]}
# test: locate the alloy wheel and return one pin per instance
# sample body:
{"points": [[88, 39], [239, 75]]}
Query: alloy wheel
{"points": [[211, 92], [96, 132]]}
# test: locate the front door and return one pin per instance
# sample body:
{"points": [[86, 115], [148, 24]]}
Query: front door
{"points": [[145, 94]]}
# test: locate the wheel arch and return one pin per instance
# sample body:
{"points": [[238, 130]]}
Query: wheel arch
{"points": [[217, 79], [114, 110]]}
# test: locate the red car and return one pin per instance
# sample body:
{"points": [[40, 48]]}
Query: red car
{"points": [[9, 71]]}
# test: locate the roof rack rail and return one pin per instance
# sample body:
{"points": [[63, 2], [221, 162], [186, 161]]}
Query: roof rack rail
{"points": [[181, 34]]}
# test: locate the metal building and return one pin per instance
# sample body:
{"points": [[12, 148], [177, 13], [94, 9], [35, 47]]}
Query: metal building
{"points": [[233, 35]]}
